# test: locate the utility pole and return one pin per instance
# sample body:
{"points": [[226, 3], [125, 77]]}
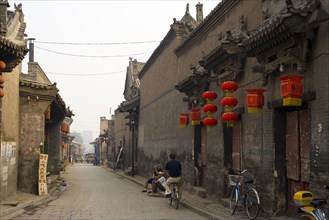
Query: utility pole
{"points": [[133, 128]]}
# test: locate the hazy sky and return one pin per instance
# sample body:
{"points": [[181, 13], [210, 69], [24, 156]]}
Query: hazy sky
{"points": [[84, 46]]}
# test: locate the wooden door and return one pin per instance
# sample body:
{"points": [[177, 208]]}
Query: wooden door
{"points": [[297, 155]]}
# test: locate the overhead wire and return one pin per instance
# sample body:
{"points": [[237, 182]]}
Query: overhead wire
{"points": [[85, 74], [95, 43], [91, 56]]}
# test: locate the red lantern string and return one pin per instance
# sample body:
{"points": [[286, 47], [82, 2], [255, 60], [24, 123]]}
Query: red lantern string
{"points": [[229, 102], [209, 109]]}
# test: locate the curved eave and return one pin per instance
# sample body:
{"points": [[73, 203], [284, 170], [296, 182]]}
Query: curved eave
{"points": [[129, 105], [11, 53], [35, 85], [268, 35], [188, 84], [215, 57]]}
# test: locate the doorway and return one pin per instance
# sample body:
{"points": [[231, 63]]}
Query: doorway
{"points": [[297, 154], [200, 154]]}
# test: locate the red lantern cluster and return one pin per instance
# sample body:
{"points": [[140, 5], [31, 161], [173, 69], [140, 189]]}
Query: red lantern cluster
{"points": [[292, 90], [209, 109], [183, 120], [255, 100], [195, 116], [229, 102]]}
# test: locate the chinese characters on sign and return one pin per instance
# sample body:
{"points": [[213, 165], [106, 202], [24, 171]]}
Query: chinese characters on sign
{"points": [[43, 174]]}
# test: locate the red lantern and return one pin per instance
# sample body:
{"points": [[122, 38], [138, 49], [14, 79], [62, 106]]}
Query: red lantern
{"points": [[292, 90], [2, 94], [229, 103], [209, 96], [209, 109], [2, 65], [255, 100], [183, 120], [210, 122], [2, 79], [195, 116], [229, 118], [229, 87]]}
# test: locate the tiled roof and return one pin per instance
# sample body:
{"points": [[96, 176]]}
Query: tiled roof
{"points": [[36, 85]]}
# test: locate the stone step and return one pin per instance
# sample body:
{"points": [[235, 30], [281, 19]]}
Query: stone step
{"points": [[198, 191]]}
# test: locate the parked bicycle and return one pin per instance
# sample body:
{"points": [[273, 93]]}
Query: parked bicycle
{"points": [[310, 208], [174, 198], [117, 166], [246, 194]]}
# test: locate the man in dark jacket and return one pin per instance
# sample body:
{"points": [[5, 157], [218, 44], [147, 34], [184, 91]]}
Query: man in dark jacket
{"points": [[174, 170]]}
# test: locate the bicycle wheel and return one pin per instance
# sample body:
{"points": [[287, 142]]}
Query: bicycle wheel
{"points": [[176, 198], [233, 200], [252, 203], [170, 199]]}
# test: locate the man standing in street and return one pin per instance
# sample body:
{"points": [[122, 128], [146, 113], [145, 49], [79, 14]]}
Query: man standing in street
{"points": [[174, 169]]}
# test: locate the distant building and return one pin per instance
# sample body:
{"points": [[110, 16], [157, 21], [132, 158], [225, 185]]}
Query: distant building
{"points": [[126, 116]]}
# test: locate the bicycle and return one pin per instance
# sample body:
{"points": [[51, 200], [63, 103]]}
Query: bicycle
{"points": [[174, 198], [116, 166], [310, 208], [247, 195]]}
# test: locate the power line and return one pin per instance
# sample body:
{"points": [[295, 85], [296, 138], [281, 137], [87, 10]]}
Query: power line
{"points": [[85, 74], [89, 56], [95, 43]]}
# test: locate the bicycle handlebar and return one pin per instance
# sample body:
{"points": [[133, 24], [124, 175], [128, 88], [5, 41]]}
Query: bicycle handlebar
{"points": [[241, 172]]}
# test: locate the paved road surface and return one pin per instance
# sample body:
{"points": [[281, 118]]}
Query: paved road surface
{"points": [[96, 193]]}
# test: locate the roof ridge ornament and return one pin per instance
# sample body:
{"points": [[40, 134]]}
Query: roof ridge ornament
{"points": [[187, 9]]}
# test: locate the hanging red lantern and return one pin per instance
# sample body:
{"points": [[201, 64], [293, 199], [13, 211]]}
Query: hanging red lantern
{"points": [[210, 122], [229, 118], [2, 65], [209, 96], [255, 100], [2, 94], [292, 90], [229, 103], [195, 116], [229, 87], [209, 109], [183, 120], [2, 79]]}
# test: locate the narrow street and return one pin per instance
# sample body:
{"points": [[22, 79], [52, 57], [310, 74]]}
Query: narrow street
{"points": [[93, 192]]}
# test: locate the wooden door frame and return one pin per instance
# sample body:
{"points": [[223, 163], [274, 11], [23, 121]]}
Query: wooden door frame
{"points": [[279, 123]]}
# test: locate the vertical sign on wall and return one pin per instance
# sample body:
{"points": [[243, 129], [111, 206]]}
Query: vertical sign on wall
{"points": [[43, 174]]}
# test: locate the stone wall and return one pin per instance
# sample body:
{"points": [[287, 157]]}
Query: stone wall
{"points": [[10, 144]]}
